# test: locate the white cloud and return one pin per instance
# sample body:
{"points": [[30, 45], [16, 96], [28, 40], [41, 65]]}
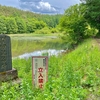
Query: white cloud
{"points": [[41, 6], [46, 6]]}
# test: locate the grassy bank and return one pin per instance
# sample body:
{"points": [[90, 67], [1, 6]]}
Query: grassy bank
{"points": [[73, 76]]}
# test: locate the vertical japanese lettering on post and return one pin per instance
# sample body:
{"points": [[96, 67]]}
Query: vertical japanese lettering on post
{"points": [[39, 70]]}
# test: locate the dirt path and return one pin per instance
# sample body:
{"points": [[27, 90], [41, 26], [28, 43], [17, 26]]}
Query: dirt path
{"points": [[94, 96], [98, 41]]}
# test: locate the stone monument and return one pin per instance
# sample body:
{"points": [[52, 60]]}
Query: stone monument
{"points": [[6, 70]]}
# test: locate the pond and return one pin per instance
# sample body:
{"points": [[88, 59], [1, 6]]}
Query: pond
{"points": [[48, 52]]}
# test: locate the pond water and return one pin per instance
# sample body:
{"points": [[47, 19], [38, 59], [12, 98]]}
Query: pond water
{"points": [[49, 52]]}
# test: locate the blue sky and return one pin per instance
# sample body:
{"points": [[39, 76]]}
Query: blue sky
{"points": [[41, 6]]}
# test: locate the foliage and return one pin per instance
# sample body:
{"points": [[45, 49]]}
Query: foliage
{"points": [[39, 21], [31, 27], [73, 76], [40, 24], [3, 28], [90, 31], [45, 30], [54, 30], [28, 23], [51, 20], [21, 25], [92, 13], [25, 21], [73, 24], [11, 25]]}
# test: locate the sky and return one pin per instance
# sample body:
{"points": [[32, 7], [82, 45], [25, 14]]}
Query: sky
{"points": [[41, 6]]}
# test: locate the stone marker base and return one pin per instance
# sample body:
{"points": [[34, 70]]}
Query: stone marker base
{"points": [[8, 75]]}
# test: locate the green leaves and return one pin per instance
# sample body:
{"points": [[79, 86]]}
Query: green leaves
{"points": [[92, 13], [11, 25], [21, 25], [91, 31], [3, 28], [72, 23]]}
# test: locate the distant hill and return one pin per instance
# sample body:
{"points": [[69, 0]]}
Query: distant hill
{"points": [[50, 20], [13, 20], [11, 11]]}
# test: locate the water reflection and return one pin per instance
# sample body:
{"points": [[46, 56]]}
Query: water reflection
{"points": [[49, 52]]}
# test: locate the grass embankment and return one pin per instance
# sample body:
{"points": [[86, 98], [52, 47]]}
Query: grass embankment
{"points": [[24, 43], [73, 76]]}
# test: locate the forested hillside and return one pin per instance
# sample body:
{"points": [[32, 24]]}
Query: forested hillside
{"points": [[13, 20]]}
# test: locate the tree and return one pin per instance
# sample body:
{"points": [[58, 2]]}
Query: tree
{"points": [[51, 20], [31, 27], [92, 13], [40, 24], [11, 25], [73, 24], [21, 25], [3, 28]]}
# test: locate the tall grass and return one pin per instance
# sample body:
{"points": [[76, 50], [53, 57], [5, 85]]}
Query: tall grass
{"points": [[72, 76]]}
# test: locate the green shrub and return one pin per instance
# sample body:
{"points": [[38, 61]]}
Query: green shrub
{"points": [[54, 30], [42, 31], [91, 31]]}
